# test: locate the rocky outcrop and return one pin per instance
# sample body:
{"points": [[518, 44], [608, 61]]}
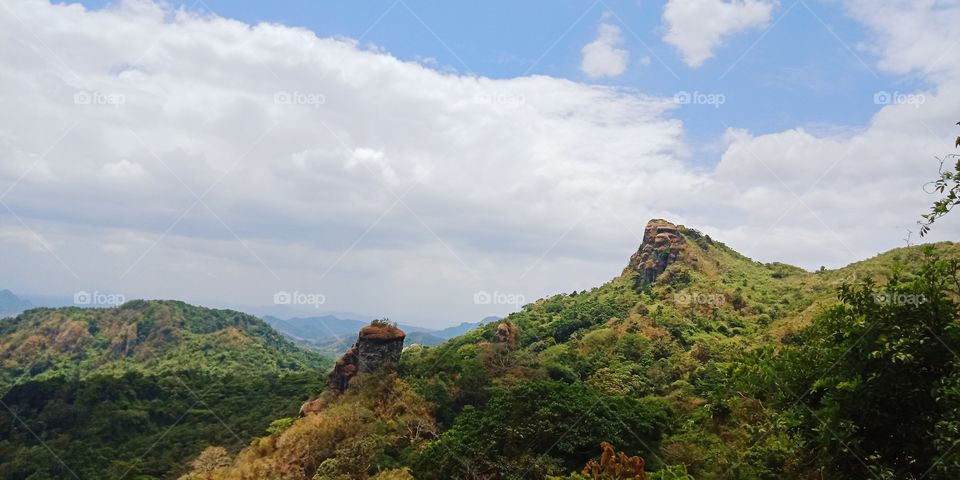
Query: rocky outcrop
{"points": [[662, 245], [378, 346], [507, 334]]}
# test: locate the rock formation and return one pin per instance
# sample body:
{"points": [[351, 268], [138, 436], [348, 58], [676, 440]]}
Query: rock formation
{"points": [[508, 334], [377, 346], [662, 245]]}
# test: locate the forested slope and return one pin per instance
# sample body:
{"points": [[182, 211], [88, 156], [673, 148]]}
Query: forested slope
{"points": [[696, 358]]}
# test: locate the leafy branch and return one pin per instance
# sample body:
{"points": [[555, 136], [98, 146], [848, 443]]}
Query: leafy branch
{"points": [[947, 185]]}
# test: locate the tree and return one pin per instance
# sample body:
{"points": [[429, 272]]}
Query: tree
{"points": [[873, 381], [211, 459], [947, 185], [538, 428]]}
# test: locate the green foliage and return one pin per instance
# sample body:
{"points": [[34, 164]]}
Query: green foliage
{"points": [[382, 322], [136, 391], [709, 359], [370, 430], [675, 472], [150, 337], [280, 425], [136, 426], [538, 428], [947, 185], [873, 376]]}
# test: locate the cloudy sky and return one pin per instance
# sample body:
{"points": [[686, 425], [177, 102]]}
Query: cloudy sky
{"points": [[399, 157]]}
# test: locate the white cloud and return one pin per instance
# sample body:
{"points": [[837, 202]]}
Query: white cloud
{"points": [[310, 185], [911, 36], [123, 171], [24, 237], [529, 185], [859, 189], [697, 27], [602, 57]]}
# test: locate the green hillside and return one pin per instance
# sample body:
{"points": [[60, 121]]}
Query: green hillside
{"points": [[143, 336], [678, 360], [136, 391]]}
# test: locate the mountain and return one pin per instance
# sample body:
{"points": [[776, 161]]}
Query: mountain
{"points": [[316, 328], [457, 330], [136, 391], [423, 338], [11, 305], [143, 336], [704, 362], [332, 335]]}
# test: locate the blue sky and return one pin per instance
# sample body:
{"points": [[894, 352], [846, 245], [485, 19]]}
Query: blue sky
{"points": [[805, 68]]}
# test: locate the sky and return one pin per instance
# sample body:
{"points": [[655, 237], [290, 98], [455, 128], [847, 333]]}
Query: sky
{"points": [[438, 162]]}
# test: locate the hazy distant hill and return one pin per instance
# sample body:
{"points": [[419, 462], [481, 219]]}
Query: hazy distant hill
{"points": [[11, 304], [316, 328], [457, 330], [332, 336]]}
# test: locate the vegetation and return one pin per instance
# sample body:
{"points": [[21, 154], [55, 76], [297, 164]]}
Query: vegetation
{"points": [[721, 368], [137, 426], [872, 385], [137, 391], [140, 336], [947, 185], [367, 431]]}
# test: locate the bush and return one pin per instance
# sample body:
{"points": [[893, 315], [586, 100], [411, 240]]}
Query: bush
{"points": [[539, 428]]}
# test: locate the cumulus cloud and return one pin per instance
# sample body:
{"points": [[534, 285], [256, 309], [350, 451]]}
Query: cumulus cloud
{"points": [[602, 57], [697, 27], [845, 185], [220, 162], [279, 160]]}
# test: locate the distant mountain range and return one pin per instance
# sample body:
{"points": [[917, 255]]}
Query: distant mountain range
{"points": [[12, 305], [333, 335]]}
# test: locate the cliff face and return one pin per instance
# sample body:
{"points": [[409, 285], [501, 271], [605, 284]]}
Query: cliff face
{"points": [[376, 347], [662, 245]]}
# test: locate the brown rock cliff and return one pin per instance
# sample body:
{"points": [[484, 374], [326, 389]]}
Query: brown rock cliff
{"points": [[378, 345], [662, 245]]}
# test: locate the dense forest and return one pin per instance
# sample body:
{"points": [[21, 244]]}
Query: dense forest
{"points": [[135, 391]]}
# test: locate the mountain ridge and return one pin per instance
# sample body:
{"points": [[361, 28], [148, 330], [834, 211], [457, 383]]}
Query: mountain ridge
{"points": [[653, 345]]}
